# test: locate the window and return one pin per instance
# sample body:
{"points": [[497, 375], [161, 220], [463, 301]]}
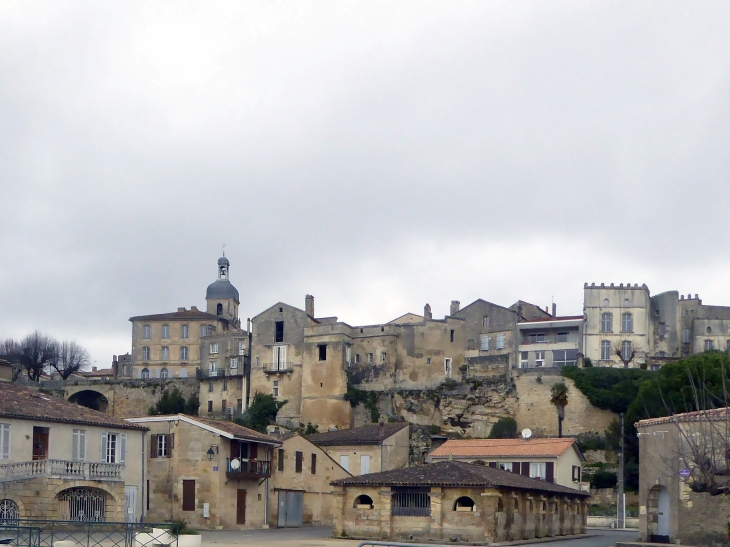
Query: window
{"points": [[709, 345], [662, 354], [357, 358], [188, 497], [183, 353], [410, 502], [709, 330], [224, 405], [219, 309], [234, 363], [485, 321], [662, 329], [561, 337], [464, 504], [275, 391], [348, 354], [225, 384], [314, 464], [279, 358], [605, 350], [145, 353], [536, 338], [258, 364], [214, 347], [565, 358], [383, 357], [500, 341], [524, 363], [165, 331], [278, 331], [370, 358], [345, 462], [505, 466], [113, 447], [213, 368], [605, 303], [428, 360], [685, 336], [484, 342], [203, 330], [165, 353], [241, 347], [144, 373], [447, 367], [210, 386], [452, 336], [539, 358], [210, 406], [576, 473], [655, 367], [606, 322], [146, 332], [163, 446], [626, 353], [78, 445], [9, 512], [363, 501], [280, 459], [298, 461], [4, 441], [627, 322], [164, 373], [537, 471], [322, 349], [184, 331]]}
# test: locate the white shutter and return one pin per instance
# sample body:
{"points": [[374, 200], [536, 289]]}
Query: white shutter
{"points": [[5, 441], [122, 448], [345, 462], [275, 358], [82, 445], [364, 464], [282, 357], [75, 446], [104, 442]]}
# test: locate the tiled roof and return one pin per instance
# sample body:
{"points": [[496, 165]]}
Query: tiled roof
{"points": [[29, 404], [95, 373], [238, 431], [455, 474], [502, 448], [548, 319], [185, 315], [716, 414], [367, 434]]}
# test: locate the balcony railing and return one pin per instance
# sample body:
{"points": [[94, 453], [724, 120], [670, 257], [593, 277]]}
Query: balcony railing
{"points": [[247, 469], [219, 373], [62, 469], [274, 368]]}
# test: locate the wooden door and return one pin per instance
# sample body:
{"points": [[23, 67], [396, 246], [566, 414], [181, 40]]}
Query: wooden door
{"points": [[188, 501], [241, 507], [40, 443]]}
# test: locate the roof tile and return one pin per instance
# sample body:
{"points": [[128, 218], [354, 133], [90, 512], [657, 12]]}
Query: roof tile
{"points": [[502, 447], [367, 434]]}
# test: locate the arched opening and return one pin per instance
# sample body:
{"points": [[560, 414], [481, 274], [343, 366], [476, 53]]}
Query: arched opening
{"points": [[145, 373], [164, 373], [8, 511], [219, 309], [363, 502], [82, 504], [658, 514], [464, 504], [90, 399]]}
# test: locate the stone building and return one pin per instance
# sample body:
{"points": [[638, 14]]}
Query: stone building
{"points": [[669, 449], [456, 501], [61, 461], [300, 491], [553, 460], [211, 473], [625, 324], [171, 344], [223, 373], [550, 342], [367, 449]]}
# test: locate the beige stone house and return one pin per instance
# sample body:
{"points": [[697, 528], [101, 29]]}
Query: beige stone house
{"points": [[300, 491], [367, 449], [456, 501], [211, 473], [59, 460], [224, 362], [553, 460]]}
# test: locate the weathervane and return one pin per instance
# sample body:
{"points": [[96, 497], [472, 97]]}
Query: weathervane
{"points": [[224, 249]]}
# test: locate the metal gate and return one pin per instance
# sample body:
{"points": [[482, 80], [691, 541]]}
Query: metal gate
{"points": [[291, 507], [8, 511], [82, 504]]}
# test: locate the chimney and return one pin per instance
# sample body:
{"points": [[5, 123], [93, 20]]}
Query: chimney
{"points": [[193, 308], [555, 309], [427, 312], [454, 307], [93, 369], [309, 305]]}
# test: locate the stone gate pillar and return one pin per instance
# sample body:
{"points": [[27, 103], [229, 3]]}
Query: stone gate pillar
{"points": [[437, 512], [386, 518], [338, 524], [490, 501]]}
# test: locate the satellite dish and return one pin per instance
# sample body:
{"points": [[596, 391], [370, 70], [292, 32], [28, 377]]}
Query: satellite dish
{"points": [[235, 464], [526, 433]]}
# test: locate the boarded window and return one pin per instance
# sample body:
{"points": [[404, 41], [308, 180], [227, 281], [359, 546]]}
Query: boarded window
{"points": [[188, 501], [299, 460]]}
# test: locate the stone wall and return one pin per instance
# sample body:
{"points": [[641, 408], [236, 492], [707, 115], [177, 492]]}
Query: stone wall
{"points": [[703, 519]]}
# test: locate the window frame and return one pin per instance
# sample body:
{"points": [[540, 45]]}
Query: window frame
{"points": [[184, 332], [627, 322], [165, 332], [184, 353], [605, 345], [500, 341], [483, 342], [146, 332], [606, 321], [5, 441]]}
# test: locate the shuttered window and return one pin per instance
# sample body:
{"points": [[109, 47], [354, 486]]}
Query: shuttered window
{"points": [[78, 447], [4, 441], [113, 447], [500, 341], [484, 342]]}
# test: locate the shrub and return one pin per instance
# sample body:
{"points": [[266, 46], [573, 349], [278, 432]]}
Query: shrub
{"points": [[604, 479], [504, 428]]}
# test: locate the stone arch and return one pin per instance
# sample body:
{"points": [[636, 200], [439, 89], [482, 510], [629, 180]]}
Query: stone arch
{"points": [[11, 508], [90, 399], [464, 503], [363, 499], [67, 510]]}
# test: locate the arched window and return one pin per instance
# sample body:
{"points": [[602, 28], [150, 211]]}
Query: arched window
{"points": [[605, 303], [8, 511], [464, 503], [363, 502], [164, 373], [219, 309], [606, 322], [145, 373], [82, 504], [627, 322]]}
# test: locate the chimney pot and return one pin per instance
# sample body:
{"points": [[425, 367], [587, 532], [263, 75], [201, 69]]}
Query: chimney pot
{"points": [[454, 307], [309, 305], [93, 369], [427, 312]]}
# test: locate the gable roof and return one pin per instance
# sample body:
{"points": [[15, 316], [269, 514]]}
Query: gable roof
{"points": [[288, 435], [180, 315], [30, 404], [713, 415], [229, 430], [505, 448], [407, 318], [367, 434], [455, 474]]}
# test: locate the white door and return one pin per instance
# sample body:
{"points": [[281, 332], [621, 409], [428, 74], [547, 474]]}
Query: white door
{"points": [[130, 503], [364, 465], [663, 524], [345, 462]]}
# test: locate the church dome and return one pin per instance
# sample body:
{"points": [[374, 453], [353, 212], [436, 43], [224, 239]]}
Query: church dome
{"points": [[221, 290]]}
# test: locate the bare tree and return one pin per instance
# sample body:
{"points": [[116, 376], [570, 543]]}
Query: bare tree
{"points": [[12, 352], [68, 357], [625, 359], [38, 350]]}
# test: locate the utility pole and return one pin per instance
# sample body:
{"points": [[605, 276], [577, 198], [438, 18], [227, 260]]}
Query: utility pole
{"points": [[620, 499]]}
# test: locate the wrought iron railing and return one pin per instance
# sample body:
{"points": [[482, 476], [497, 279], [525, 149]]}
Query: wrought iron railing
{"points": [[258, 468], [282, 366], [410, 504], [45, 533], [220, 373], [63, 469]]}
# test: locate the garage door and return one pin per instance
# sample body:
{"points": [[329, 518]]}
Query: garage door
{"points": [[291, 507]]}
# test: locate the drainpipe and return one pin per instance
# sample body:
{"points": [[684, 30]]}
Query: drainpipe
{"points": [[247, 371], [143, 514], [270, 455]]}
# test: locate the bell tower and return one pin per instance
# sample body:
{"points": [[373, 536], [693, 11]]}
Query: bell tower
{"points": [[222, 297]]}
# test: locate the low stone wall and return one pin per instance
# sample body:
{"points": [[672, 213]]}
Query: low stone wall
{"points": [[610, 522]]}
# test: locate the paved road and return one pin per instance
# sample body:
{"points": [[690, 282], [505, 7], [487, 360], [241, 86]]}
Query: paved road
{"points": [[320, 536]]}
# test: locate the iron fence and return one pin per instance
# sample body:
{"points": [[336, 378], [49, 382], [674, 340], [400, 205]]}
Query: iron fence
{"points": [[45, 533], [411, 503]]}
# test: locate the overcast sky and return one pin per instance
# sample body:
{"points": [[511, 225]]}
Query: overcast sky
{"points": [[378, 155]]}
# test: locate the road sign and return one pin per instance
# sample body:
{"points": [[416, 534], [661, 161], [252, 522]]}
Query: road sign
{"points": [[685, 472]]}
